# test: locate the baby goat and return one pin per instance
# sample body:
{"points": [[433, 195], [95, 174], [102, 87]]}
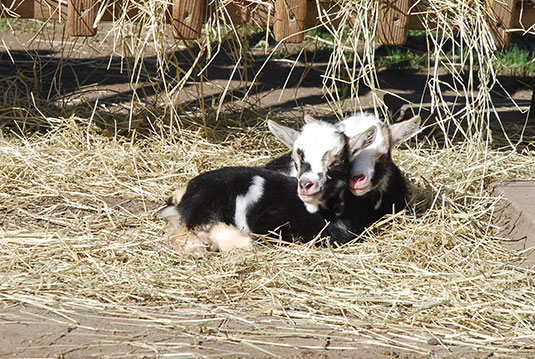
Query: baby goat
{"points": [[220, 208], [375, 180], [374, 176]]}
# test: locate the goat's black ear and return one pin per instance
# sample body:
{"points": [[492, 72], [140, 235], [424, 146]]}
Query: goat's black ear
{"points": [[360, 142], [310, 119], [404, 130], [285, 134]]}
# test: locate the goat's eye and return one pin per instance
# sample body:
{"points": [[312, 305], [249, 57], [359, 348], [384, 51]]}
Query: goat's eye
{"points": [[337, 163]]}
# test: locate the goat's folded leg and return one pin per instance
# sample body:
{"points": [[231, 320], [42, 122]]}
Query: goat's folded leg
{"points": [[219, 237], [224, 237], [188, 242], [182, 239]]}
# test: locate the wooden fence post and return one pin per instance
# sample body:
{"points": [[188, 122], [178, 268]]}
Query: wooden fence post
{"points": [[290, 18], [188, 18], [393, 22], [81, 15], [500, 19]]}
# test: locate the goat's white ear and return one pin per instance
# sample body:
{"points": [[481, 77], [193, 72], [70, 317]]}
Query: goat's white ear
{"points": [[310, 119], [360, 142], [285, 134], [404, 130], [341, 126]]}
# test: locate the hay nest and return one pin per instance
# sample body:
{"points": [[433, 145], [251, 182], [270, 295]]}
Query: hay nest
{"points": [[79, 232]]}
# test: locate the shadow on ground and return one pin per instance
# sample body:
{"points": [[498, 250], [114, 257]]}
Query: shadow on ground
{"points": [[55, 85]]}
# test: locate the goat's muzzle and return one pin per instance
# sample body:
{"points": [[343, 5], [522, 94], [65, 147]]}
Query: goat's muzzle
{"points": [[359, 184], [308, 190]]}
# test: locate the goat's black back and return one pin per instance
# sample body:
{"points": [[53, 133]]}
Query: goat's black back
{"points": [[282, 164]]}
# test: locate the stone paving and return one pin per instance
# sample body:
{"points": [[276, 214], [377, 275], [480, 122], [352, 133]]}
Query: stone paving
{"points": [[515, 216]]}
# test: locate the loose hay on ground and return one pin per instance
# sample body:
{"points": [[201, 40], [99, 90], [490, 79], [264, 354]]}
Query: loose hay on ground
{"points": [[79, 230]]}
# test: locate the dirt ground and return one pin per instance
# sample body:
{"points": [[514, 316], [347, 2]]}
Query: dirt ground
{"points": [[61, 332], [54, 329], [96, 67]]}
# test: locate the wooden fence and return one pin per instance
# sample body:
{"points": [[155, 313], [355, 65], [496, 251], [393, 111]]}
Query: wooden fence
{"points": [[289, 18]]}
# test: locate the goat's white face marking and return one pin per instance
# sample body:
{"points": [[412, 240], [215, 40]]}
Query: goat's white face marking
{"points": [[243, 202], [318, 146], [363, 165], [316, 149]]}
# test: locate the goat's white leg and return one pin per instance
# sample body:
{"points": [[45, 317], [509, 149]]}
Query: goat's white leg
{"points": [[180, 237], [224, 237], [187, 242], [170, 213], [178, 194]]}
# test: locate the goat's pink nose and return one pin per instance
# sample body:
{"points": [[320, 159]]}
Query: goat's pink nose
{"points": [[306, 185], [358, 178]]}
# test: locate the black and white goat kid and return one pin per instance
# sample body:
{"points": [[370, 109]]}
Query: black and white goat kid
{"points": [[375, 181], [219, 209]]}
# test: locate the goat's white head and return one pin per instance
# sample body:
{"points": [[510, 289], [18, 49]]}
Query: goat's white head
{"points": [[320, 152], [366, 167]]}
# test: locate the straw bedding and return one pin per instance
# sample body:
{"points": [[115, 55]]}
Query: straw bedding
{"points": [[79, 227]]}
